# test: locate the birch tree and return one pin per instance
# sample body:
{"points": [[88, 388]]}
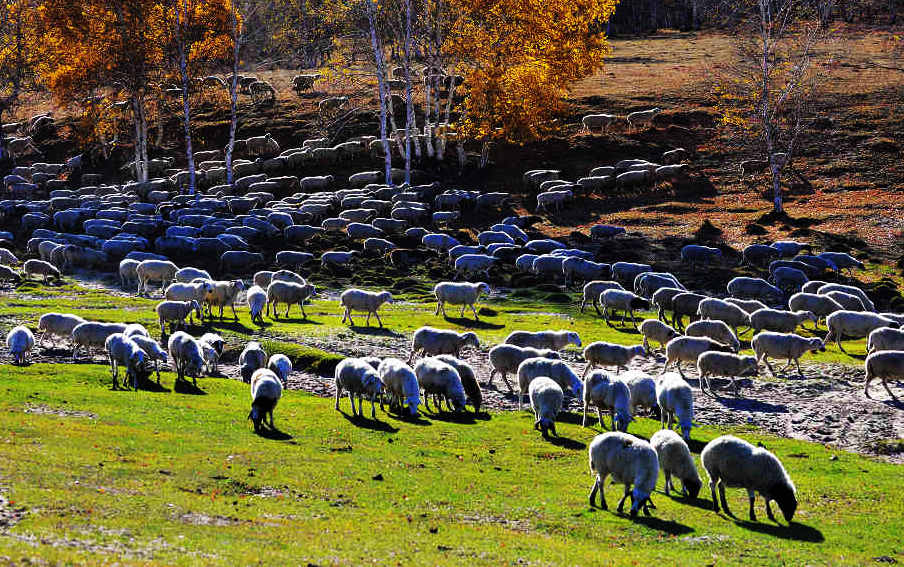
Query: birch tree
{"points": [[16, 31], [382, 87]]}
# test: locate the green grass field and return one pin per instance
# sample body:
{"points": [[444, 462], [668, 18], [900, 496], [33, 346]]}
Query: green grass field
{"points": [[163, 478]]}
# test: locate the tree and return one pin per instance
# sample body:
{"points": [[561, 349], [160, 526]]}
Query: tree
{"points": [[16, 36], [382, 89], [237, 14]]}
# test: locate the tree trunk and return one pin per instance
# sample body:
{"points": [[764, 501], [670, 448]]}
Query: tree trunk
{"points": [[410, 125], [233, 93], [186, 106], [381, 91], [141, 164]]}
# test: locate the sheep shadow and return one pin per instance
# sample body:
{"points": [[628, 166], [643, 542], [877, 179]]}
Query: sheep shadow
{"points": [[566, 443], [419, 420], [371, 424], [747, 404], [794, 531], [230, 325], [273, 434], [374, 331], [147, 384], [186, 387], [473, 323], [296, 320], [461, 418], [670, 527], [697, 502]]}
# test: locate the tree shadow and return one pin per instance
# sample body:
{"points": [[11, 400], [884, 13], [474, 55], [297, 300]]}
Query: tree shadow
{"points": [[372, 424], [472, 323], [186, 387], [795, 531]]}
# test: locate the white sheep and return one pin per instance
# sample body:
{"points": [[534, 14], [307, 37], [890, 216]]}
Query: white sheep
{"points": [[593, 289], [162, 271], [883, 365], [175, 312], [153, 350], [252, 357], [455, 293], [57, 325], [725, 311], [640, 117], [266, 391], [551, 340], [20, 341], [186, 275], [748, 305], [725, 364], [601, 121], [715, 330], [779, 321], [601, 353], [754, 288], [41, 268], [555, 369], [92, 334], [441, 380], [401, 385], [643, 390], [848, 302], [280, 365], [288, 293], [505, 359], [885, 338], [429, 341], [784, 345], [224, 293], [608, 394], [361, 300], [128, 272], [468, 379], [186, 356], [546, 400], [625, 301], [688, 349], [733, 462], [257, 300], [123, 351], [656, 330], [849, 289], [820, 305], [675, 459], [854, 324], [471, 264], [198, 291], [630, 461], [676, 402]]}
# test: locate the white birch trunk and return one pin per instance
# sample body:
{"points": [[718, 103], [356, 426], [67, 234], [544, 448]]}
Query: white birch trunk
{"points": [[233, 93], [186, 106], [381, 90]]}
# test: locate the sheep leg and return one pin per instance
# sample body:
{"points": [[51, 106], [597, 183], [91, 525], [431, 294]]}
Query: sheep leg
{"points": [[351, 323], [597, 487], [752, 496], [113, 372], [668, 482], [712, 489], [427, 403], [380, 321], [373, 407], [338, 395], [490, 379], [737, 391], [157, 369], [769, 511], [597, 307], [621, 503], [887, 389], [584, 421], [769, 366], [507, 384], [722, 498], [288, 306], [367, 320], [587, 369], [234, 314], [599, 417]]}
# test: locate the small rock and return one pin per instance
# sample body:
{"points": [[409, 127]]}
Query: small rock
{"points": [[434, 530], [377, 476]]}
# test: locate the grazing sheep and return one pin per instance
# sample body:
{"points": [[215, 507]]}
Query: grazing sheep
{"points": [[686, 303], [163, 271], [609, 354], [289, 293], [20, 341], [187, 356], [401, 385], [153, 351], [175, 312], [253, 357], [472, 264], [656, 330], [733, 462], [128, 272], [855, 325], [748, 305], [885, 338], [605, 230], [442, 381], [195, 291], [676, 403], [784, 345], [92, 334], [362, 300], [556, 369], [754, 288], [429, 341], [552, 340], [648, 283], [849, 289], [266, 390], [123, 351], [641, 117], [630, 461], [778, 320], [614, 396], [697, 254], [883, 365], [663, 298], [593, 290], [842, 261], [689, 349], [626, 301], [786, 278], [280, 365], [57, 325], [643, 390], [675, 459], [715, 330], [627, 272], [820, 305], [759, 255], [41, 268], [224, 293], [186, 275], [583, 269], [789, 248], [506, 358], [847, 301], [468, 379], [724, 311], [257, 300], [9, 274], [546, 400], [725, 364], [336, 258], [464, 294]]}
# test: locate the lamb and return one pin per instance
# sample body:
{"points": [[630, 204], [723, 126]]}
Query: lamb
{"points": [[847, 301], [854, 324], [442, 381], [280, 365], [885, 338], [695, 253], [609, 354], [187, 357], [224, 293], [546, 400], [638, 118], [601, 121], [197, 291], [91, 334], [288, 293], [724, 364], [163, 271], [675, 459], [676, 403], [643, 390], [552, 340], [626, 301], [401, 385], [153, 351], [820, 305], [754, 288], [175, 312], [848, 289], [630, 461], [593, 290], [362, 300], [20, 341], [464, 294], [266, 391], [41, 268], [656, 330], [210, 355], [724, 311], [555, 369], [506, 358], [606, 394], [715, 330], [253, 357], [468, 379], [883, 365], [128, 272], [429, 341], [257, 300], [733, 462], [57, 324], [784, 345], [688, 349]]}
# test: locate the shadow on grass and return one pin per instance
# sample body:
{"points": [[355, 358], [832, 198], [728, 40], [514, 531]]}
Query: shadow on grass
{"points": [[698, 502], [473, 324], [295, 320], [186, 387], [374, 331], [670, 527], [752, 405], [795, 531], [149, 384], [273, 434], [566, 443], [372, 424]]}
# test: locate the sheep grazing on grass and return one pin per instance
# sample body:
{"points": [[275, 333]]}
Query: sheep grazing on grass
{"points": [[849, 289], [551, 340], [641, 117], [855, 325], [253, 357], [546, 400], [128, 273], [92, 334], [123, 351], [624, 301], [211, 348], [847, 301], [885, 338], [614, 396], [280, 365], [175, 312], [686, 303], [224, 293], [41, 268], [592, 291], [697, 254], [725, 364], [20, 341], [820, 305], [153, 350], [884, 365], [675, 459], [429, 341], [656, 330], [442, 381], [505, 359], [662, 299], [715, 330], [648, 283], [468, 379], [186, 355], [748, 305], [401, 385], [643, 391], [779, 321], [9, 274], [733, 462], [842, 261], [198, 291], [257, 301], [555, 369], [784, 345], [57, 325], [688, 349], [676, 403], [464, 294], [601, 353], [148, 271], [724, 311], [597, 121], [290, 294], [630, 461], [754, 288], [362, 300], [266, 391], [759, 255]]}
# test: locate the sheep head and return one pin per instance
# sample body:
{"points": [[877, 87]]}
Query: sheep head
{"points": [[385, 297], [545, 426], [574, 338], [470, 338], [784, 496]]}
